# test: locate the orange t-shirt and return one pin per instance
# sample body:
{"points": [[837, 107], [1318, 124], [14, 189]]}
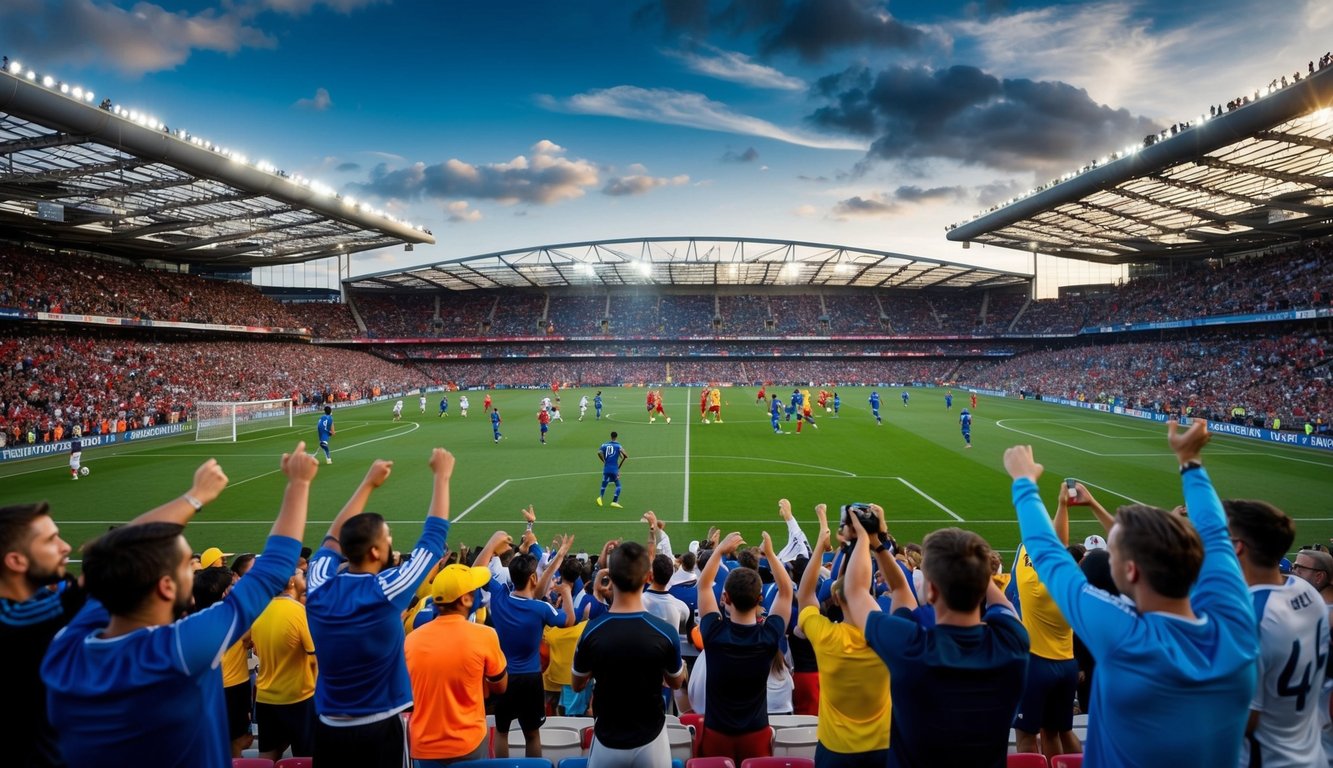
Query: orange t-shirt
{"points": [[448, 661]]}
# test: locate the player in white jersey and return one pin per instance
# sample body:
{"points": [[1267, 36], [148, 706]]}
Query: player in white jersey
{"points": [[546, 404], [398, 411], [423, 403], [583, 407], [462, 405], [1284, 726], [555, 411]]}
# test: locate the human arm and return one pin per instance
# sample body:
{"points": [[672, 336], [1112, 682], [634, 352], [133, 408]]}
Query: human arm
{"points": [[209, 480], [797, 544], [781, 606], [379, 472], [857, 601], [1084, 498], [401, 582], [900, 591], [544, 580], [707, 600], [498, 544], [567, 603], [806, 595]]}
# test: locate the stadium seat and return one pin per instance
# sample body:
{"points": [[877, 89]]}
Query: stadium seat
{"points": [[695, 721], [778, 762], [1026, 760], [573, 762], [682, 741], [796, 741], [710, 762], [1081, 721], [1067, 761], [572, 723], [557, 743], [506, 762], [295, 762], [251, 762], [792, 721]]}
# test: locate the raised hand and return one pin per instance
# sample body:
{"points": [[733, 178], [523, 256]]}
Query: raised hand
{"points": [[1188, 444], [298, 466], [209, 479], [378, 473], [784, 509], [1018, 462], [529, 515], [729, 544], [442, 462]]}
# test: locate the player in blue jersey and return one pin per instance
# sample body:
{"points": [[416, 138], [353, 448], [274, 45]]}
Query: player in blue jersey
{"points": [[837, 404], [1176, 659], [597, 405], [325, 429], [444, 406], [965, 421], [495, 424], [354, 603], [128, 681], [775, 414], [874, 407], [612, 456], [905, 396], [948, 401]]}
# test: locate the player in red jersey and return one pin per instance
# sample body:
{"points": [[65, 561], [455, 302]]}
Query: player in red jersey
{"points": [[486, 404], [974, 401], [703, 405], [657, 409], [760, 398], [544, 419]]}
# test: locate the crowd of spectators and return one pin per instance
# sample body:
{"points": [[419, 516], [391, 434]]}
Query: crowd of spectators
{"points": [[325, 319], [853, 313], [52, 382], [669, 349], [576, 315], [519, 315], [685, 314], [1254, 380], [398, 315], [744, 314], [799, 314]]}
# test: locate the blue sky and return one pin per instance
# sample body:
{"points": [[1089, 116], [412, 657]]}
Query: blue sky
{"points": [[505, 125]]}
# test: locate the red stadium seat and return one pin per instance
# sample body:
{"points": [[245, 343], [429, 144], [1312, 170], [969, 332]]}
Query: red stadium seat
{"points": [[1067, 761], [695, 721], [778, 762], [1026, 760], [710, 762], [251, 762], [295, 762]]}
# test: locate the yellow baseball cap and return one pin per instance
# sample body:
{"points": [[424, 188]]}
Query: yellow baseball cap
{"points": [[456, 580]]}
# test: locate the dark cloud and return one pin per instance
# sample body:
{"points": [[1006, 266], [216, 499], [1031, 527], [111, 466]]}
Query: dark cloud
{"points": [[545, 176], [748, 156], [347, 167], [964, 114], [872, 207], [915, 194]]}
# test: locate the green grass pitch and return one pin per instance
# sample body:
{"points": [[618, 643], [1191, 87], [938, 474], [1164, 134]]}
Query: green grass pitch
{"points": [[691, 474]]}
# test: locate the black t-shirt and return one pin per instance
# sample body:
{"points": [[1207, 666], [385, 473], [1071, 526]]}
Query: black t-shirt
{"points": [[739, 657], [802, 654], [628, 654], [26, 630]]}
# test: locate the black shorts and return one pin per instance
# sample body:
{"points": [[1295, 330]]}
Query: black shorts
{"points": [[1048, 696], [524, 700], [287, 725], [239, 699]]}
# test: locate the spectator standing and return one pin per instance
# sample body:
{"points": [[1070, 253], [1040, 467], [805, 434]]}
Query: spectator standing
{"points": [[356, 620], [629, 654], [453, 664], [854, 704], [127, 678], [740, 652], [1176, 666], [1284, 724], [969, 667], [285, 686]]}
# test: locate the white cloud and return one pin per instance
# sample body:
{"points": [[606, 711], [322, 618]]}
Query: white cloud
{"points": [[543, 176], [458, 211], [735, 67], [692, 110], [318, 103], [637, 184]]}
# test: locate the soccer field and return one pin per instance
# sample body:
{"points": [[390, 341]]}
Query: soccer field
{"points": [[691, 474]]}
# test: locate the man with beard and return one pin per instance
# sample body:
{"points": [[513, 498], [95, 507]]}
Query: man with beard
{"points": [[355, 616], [129, 680], [37, 599]]}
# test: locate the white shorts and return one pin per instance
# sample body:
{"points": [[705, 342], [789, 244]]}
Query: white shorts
{"points": [[654, 754], [74, 459]]}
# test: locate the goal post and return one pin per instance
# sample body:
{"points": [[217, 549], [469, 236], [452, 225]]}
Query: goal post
{"points": [[225, 421]]}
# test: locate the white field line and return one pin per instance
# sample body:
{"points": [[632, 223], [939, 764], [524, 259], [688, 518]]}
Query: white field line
{"points": [[415, 426], [929, 498], [685, 506]]}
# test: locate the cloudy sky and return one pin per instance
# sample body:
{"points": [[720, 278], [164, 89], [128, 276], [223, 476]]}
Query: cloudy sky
{"points": [[510, 124]]}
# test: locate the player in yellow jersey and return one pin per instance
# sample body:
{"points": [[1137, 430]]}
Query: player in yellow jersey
{"points": [[715, 404]]}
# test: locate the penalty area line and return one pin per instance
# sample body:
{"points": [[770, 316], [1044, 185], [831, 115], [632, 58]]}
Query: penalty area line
{"points": [[929, 498]]}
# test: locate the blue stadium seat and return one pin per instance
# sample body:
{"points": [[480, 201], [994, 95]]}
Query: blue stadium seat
{"points": [[506, 762]]}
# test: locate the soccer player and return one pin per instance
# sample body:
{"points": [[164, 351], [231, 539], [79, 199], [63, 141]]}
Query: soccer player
{"points": [[762, 396], [715, 404], [597, 405], [444, 407], [1284, 725], [495, 422], [775, 414], [324, 427], [874, 406], [355, 604], [462, 406], [965, 422], [1175, 667], [546, 404], [76, 452], [658, 408], [555, 412], [544, 419], [612, 456], [837, 404], [948, 401], [652, 403], [905, 396], [806, 414], [703, 405], [974, 401], [794, 406], [423, 404], [398, 410], [486, 403], [583, 407], [128, 681]]}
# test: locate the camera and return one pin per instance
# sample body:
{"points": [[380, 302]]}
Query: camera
{"points": [[864, 514]]}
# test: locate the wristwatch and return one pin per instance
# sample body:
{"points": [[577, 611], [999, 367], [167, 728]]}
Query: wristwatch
{"points": [[1191, 464]]}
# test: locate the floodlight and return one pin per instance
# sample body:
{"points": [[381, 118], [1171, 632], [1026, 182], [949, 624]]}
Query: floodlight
{"points": [[32, 75], [64, 88], [15, 67], [48, 81], [77, 93], [645, 268]]}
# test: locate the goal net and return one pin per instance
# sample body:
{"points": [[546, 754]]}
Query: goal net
{"points": [[226, 421]]}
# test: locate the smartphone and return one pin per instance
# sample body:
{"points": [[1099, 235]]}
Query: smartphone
{"points": [[1073, 492]]}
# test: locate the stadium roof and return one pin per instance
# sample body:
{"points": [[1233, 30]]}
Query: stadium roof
{"points": [[76, 175], [1253, 177], [688, 261]]}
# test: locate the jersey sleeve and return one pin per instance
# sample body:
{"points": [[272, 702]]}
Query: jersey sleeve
{"points": [[1220, 590], [203, 637], [400, 584], [1099, 619]]}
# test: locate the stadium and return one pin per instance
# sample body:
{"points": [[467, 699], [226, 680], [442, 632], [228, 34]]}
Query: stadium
{"points": [[740, 378]]}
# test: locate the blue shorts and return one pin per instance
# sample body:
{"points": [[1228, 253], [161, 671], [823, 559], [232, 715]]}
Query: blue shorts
{"points": [[1048, 696], [544, 428], [611, 476]]}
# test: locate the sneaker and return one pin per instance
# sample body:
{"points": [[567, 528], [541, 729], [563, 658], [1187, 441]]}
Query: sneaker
{"points": [[616, 504], [816, 426], [599, 501], [668, 419], [719, 421], [652, 419], [328, 460]]}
